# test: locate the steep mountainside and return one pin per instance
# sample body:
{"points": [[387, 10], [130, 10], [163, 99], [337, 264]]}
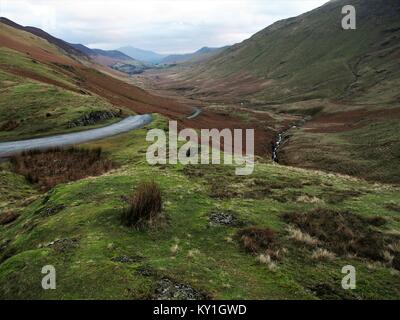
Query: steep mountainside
{"points": [[44, 35], [44, 88], [311, 56]]}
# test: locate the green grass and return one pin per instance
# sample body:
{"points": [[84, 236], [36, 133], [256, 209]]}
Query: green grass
{"points": [[370, 152], [41, 109], [206, 257], [14, 59]]}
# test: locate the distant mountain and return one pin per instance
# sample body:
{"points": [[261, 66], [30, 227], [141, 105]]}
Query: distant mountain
{"points": [[196, 56], [114, 59], [114, 54], [42, 34], [142, 55]]}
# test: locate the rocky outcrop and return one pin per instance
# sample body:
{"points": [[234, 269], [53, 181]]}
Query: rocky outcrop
{"points": [[94, 117]]}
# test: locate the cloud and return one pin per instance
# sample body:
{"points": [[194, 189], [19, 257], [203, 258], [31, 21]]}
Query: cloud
{"points": [[164, 26]]}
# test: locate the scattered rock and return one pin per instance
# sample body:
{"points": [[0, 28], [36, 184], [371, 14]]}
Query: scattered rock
{"points": [[225, 219], [51, 209], [62, 245], [145, 271], [169, 290], [93, 117], [127, 259]]}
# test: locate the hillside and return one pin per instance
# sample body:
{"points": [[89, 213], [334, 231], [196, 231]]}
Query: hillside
{"points": [[115, 227], [48, 88], [198, 252], [311, 56], [342, 82], [44, 35]]}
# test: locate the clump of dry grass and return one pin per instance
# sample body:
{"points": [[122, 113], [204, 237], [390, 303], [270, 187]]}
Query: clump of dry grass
{"points": [[322, 254], [387, 256], [145, 206], [8, 217], [257, 240], [342, 232], [300, 236], [395, 246], [9, 125], [267, 260], [309, 199], [52, 167]]}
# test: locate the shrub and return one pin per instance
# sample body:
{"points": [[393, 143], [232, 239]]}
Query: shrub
{"points": [[343, 232], [256, 240], [145, 206], [8, 217], [49, 168]]}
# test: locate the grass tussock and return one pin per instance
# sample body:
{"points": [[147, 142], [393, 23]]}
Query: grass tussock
{"points": [[343, 232], [145, 206], [258, 241], [300, 236], [47, 169], [320, 254], [8, 217]]}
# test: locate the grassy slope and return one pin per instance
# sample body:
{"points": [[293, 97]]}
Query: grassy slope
{"points": [[216, 264], [311, 56], [370, 152], [42, 109], [39, 108]]}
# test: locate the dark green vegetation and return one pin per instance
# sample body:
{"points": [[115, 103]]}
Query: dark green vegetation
{"points": [[77, 228]]}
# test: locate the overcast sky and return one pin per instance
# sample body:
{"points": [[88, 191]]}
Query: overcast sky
{"points": [[164, 26]]}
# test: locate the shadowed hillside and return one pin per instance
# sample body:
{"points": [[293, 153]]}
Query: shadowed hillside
{"points": [[311, 56]]}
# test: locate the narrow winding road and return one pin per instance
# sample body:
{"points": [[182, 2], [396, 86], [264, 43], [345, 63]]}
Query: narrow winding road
{"points": [[8, 149], [196, 112]]}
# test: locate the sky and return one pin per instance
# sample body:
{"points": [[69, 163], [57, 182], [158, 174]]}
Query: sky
{"points": [[163, 26]]}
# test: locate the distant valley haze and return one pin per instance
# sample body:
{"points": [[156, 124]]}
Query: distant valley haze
{"points": [[162, 27]]}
